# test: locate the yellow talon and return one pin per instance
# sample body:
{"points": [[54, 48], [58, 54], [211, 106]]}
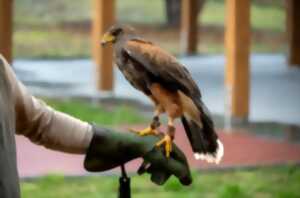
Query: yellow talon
{"points": [[167, 141], [146, 131]]}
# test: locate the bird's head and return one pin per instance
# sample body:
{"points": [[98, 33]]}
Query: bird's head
{"points": [[116, 33]]}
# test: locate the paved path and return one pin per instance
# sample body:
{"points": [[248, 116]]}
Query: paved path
{"points": [[275, 88], [241, 149]]}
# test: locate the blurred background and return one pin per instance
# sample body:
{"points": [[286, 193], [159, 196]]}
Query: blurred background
{"points": [[41, 26], [244, 55]]}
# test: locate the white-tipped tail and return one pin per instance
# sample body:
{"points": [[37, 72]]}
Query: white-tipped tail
{"points": [[210, 157]]}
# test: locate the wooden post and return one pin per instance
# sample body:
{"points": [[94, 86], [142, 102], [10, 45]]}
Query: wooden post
{"points": [[189, 12], [237, 45], [6, 15], [103, 18], [293, 31]]}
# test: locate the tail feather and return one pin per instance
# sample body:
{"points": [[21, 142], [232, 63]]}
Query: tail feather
{"points": [[212, 158], [203, 138]]}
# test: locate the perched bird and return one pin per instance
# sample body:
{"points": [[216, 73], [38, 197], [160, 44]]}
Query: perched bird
{"points": [[170, 86]]}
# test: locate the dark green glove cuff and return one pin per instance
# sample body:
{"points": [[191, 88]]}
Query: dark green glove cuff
{"points": [[109, 149]]}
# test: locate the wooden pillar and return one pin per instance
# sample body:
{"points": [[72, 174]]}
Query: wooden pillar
{"points": [[189, 12], [293, 31], [6, 15], [237, 45], [103, 18]]}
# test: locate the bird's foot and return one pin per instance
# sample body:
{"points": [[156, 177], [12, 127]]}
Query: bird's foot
{"points": [[167, 142], [146, 131]]}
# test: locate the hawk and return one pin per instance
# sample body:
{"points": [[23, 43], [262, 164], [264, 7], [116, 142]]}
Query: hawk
{"points": [[170, 86]]}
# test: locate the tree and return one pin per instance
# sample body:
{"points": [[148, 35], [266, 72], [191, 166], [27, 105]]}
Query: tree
{"points": [[173, 11]]}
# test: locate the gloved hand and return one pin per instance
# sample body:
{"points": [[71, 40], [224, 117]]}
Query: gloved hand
{"points": [[109, 149]]}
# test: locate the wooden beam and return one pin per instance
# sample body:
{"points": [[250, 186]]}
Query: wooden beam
{"points": [[103, 18], [293, 31], [237, 45], [189, 12], [6, 15]]}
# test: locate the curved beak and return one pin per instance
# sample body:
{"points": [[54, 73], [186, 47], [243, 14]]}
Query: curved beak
{"points": [[107, 38]]}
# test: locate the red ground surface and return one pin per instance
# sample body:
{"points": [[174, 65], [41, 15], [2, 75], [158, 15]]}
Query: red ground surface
{"points": [[241, 149]]}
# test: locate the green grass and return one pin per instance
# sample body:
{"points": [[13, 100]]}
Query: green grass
{"points": [[263, 17], [52, 43], [144, 12], [109, 116], [268, 17], [41, 32], [35, 12], [281, 182], [43, 13]]}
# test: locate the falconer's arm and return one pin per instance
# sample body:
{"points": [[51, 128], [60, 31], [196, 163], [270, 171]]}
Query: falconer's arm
{"points": [[44, 125]]}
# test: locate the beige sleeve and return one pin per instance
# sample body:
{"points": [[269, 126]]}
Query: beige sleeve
{"points": [[45, 126]]}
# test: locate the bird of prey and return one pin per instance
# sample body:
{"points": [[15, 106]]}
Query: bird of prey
{"points": [[170, 86]]}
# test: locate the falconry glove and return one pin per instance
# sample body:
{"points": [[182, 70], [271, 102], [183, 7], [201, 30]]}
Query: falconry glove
{"points": [[109, 149]]}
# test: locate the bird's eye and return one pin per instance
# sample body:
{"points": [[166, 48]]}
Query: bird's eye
{"points": [[117, 31]]}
